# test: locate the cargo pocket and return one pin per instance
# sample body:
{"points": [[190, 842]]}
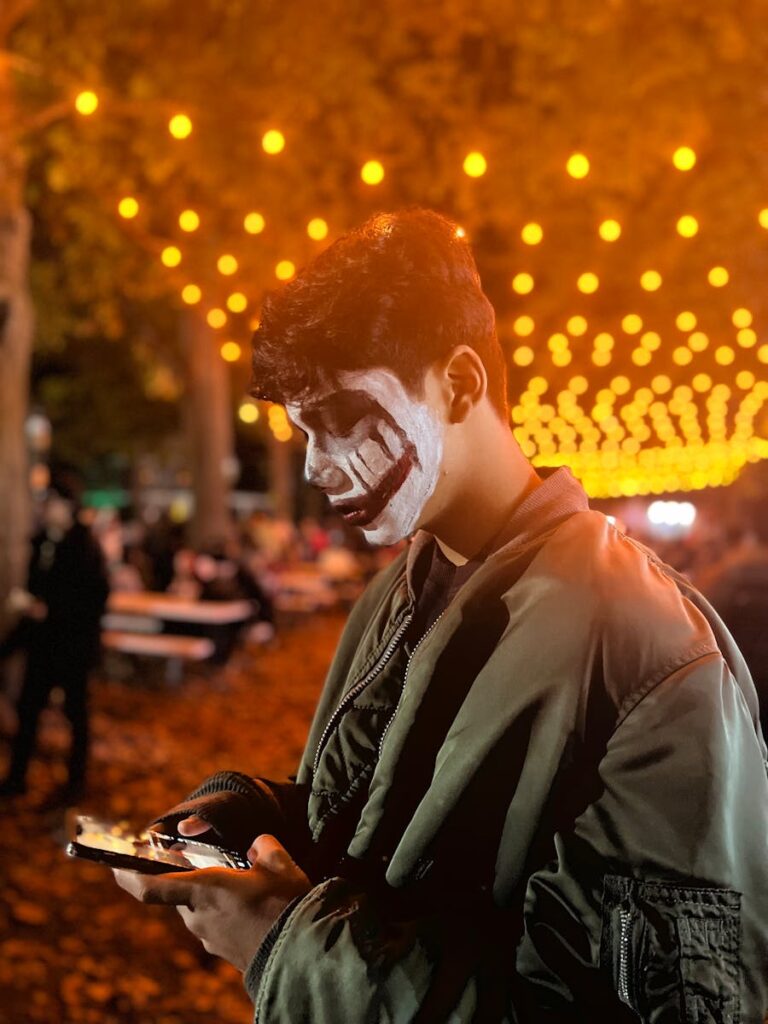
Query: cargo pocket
{"points": [[672, 951]]}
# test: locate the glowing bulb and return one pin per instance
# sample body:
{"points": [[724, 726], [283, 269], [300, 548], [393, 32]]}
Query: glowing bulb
{"points": [[128, 207], [86, 103], [762, 353], [253, 223], [273, 141], [718, 276], [475, 165], [746, 337], [701, 382], [227, 264], [191, 294], [230, 352], [523, 355], [216, 318], [532, 234], [609, 230], [578, 384], [171, 256], [685, 321], [372, 172], [741, 318], [237, 302], [650, 280], [603, 342], [317, 229], [682, 356], [745, 379], [577, 165], [588, 283], [698, 341], [189, 220], [762, 218], [632, 323], [248, 412], [687, 226], [641, 356], [522, 284], [661, 384], [285, 270], [523, 326], [620, 385], [684, 158], [180, 126], [724, 355], [577, 326]]}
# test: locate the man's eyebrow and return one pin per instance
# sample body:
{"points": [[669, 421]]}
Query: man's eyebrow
{"points": [[322, 403]]}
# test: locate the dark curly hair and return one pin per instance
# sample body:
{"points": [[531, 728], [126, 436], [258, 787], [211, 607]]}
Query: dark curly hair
{"points": [[400, 291]]}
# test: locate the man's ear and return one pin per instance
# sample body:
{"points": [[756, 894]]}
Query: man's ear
{"points": [[466, 382]]}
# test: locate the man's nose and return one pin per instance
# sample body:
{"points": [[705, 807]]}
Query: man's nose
{"points": [[322, 471]]}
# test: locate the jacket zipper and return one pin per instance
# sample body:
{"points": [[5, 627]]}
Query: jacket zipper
{"points": [[405, 681], [350, 695], [625, 920]]}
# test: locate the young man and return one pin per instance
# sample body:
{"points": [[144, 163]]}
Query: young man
{"points": [[535, 786]]}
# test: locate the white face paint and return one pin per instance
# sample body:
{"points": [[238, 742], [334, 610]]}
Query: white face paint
{"points": [[373, 449]]}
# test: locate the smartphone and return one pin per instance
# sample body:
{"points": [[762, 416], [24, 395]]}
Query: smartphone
{"points": [[149, 852]]}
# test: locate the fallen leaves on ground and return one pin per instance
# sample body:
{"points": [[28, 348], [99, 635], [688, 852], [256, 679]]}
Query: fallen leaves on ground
{"points": [[74, 948]]}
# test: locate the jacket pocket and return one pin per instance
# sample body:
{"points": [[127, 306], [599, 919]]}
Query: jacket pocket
{"points": [[672, 951]]}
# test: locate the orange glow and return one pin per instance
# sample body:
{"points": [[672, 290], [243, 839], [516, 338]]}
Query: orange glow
{"points": [[475, 165], [189, 220], [253, 223], [86, 103], [372, 172], [317, 229], [532, 233], [216, 318], [718, 276], [191, 294], [650, 280], [588, 283], [231, 352], [523, 326], [285, 270], [577, 165], [609, 230], [171, 256], [180, 126], [237, 302], [522, 284], [128, 207], [273, 142], [687, 226], [684, 158], [523, 355], [227, 264]]}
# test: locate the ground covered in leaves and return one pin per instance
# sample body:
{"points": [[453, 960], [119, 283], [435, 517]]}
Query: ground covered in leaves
{"points": [[75, 949]]}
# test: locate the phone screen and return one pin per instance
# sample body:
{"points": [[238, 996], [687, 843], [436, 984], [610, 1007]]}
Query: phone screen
{"points": [[116, 844]]}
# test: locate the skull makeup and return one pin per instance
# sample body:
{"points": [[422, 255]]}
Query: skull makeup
{"points": [[373, 449]]}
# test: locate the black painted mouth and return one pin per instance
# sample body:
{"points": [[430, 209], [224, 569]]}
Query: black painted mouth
{"points": [[367, 507]]}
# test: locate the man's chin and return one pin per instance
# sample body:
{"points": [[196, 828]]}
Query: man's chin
{"points": [[381, 533]]}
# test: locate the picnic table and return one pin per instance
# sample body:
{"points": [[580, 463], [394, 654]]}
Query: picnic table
{"points": [[158, 625]]}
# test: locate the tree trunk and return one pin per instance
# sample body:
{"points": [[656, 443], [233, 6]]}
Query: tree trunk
{"points": [[210, 431], [282, 481], [16, 333]]}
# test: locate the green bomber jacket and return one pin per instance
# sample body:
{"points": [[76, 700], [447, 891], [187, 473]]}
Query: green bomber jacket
{"points": [[555, 809]]}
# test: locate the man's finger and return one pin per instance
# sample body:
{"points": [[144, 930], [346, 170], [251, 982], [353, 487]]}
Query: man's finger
{"points": [[269, 853], [172, 889], [192, 826]]}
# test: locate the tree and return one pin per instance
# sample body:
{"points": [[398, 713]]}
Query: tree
{"points": [[418, 87]]}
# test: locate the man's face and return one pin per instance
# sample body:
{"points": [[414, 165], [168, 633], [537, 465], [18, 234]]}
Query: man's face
{"points": [[373, 449]]}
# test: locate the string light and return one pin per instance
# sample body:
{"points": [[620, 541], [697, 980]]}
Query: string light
{"points": [[698, 341], [684, 158], [180, 126], [216, 318], [588, 283], [170, 256], [650, 280], [523, 326], [522, 283], [248, 412], [577, 326], [532, 233], [237, 302], [724, 355], [189, 220], [475, 165], [191, 294], [523, 355], [687, 226], [718, 276], [746, 337], [273, 141], [632, 323], [762, 219], [128, 207], [253, 223], [741, 318], [317, 229], [609, 230], [577, 165], [230, 352], [86, 103], [372, 172], [285, 270], [227, 264], [685, 321]]}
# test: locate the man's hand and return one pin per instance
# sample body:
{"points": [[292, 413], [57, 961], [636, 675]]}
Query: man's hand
{"points": [[230, 911]]}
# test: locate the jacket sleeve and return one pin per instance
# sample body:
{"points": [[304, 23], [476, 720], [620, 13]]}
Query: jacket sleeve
{"points": [[656, 908], [659, 892]]}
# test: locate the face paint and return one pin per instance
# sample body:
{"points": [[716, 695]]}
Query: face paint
{"points": [[373, 449]]}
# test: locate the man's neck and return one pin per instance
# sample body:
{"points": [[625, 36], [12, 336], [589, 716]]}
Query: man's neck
{"points": [[482, 504]]}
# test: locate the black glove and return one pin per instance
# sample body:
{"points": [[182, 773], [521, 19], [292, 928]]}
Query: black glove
{"points": [[236, 807]]}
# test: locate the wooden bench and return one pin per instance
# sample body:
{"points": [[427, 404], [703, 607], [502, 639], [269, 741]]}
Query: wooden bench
{"points": [[175, 649]]}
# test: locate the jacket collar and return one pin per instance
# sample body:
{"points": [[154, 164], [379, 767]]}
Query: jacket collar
{"points": [[557, 497]]}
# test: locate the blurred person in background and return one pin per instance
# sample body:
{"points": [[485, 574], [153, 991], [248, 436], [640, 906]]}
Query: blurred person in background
{"points": [[59, 630]]}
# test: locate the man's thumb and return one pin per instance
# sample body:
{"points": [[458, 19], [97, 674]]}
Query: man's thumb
{"points": [[269, 853]]}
